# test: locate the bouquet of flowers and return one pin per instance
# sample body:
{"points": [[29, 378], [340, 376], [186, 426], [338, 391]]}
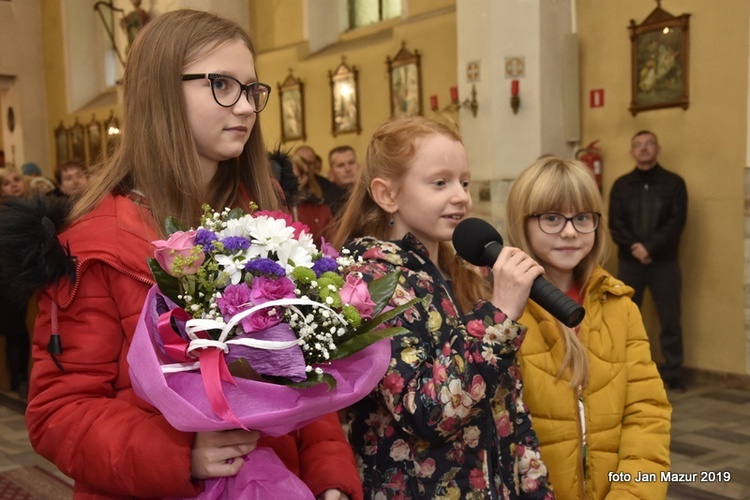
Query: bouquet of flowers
{"points": [[251, 326]]}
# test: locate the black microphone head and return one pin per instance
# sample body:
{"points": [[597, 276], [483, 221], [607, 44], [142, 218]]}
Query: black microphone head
{"points": [[472, 236]]}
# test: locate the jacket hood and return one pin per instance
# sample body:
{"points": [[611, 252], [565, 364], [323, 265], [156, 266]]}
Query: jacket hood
{"points": [[34, 257], [31, 256]]}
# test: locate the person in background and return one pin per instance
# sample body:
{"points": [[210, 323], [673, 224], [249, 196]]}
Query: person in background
{"points": [[309, 206], [72, 178], [448, 419], [333, 195], [41, 186], [12, 308], [31, 170], [647, 213], [190, 136], [595, 396], [13, 183], [344, 167]]}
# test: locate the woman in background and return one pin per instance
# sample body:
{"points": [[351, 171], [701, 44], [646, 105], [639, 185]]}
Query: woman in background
{"points": [[13, 308]]}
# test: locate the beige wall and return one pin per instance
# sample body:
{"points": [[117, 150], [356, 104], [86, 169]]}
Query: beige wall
{"points": [[432, 33], [706, 144]]}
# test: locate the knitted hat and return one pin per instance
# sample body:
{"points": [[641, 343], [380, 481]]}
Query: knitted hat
{"points": [[30, 169]]}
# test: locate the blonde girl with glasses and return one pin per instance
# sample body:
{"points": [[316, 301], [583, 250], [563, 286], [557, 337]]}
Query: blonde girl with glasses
{"points": [[595, 396], [179, 148]]}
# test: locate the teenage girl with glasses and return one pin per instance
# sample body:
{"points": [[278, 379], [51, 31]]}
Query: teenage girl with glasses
{"points": [[184, 142], [595, 396]]}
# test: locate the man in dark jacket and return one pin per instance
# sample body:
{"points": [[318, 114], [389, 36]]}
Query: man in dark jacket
{"points": [[647, 212]]}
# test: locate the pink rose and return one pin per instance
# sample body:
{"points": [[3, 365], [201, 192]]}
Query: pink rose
{"points": [[178, 255], [355, 293]]}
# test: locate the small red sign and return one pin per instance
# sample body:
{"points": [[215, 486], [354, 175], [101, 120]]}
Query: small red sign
{"points": [[596, 98]]}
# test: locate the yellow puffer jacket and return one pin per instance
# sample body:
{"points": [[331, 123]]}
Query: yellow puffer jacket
{"points": [[627, 414]]}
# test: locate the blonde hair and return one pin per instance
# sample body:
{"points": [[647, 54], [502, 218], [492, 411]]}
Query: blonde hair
{"points": [[157, 154], [556, 184], [7, 171], [389, 156]]}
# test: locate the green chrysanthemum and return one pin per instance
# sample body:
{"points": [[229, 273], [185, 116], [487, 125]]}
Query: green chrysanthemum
{"points": [[351, 315], [303, 275], [338, 281]]}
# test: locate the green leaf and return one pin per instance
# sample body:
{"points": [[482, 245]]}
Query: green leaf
{"points": [[314, 379], [373, 323], [360, 341], [168, 284], [381, 290], [172, 225], [235, 213]]}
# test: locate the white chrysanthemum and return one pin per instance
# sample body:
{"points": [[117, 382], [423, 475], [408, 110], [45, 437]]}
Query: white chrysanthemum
{"points": [[296, 252], [266, 235], [237, 227], [232, 265]]}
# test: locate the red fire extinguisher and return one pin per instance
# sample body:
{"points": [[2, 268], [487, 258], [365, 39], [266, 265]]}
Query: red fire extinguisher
{"points": [[592, 158]]}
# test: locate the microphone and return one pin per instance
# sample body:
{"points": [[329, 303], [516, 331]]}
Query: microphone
{"points": [[480, 244]]}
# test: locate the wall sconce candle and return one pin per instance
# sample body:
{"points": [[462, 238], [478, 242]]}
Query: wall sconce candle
{"points": [[433, 102], [515, 100], [455, 104]]}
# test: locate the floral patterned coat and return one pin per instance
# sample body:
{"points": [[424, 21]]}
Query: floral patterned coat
{"points": [[447, 420]]}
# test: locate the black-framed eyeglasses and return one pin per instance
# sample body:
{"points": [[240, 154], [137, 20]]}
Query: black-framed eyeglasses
{"points": [[227, 90], [554, 222]]}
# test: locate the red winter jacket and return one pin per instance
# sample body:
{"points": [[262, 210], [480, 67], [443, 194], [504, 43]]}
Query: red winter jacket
{"points": [[87, 419]]}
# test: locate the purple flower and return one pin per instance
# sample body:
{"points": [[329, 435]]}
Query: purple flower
{"points": [[265, 289], [323, 265], [327, 249], [205, 239], [265, 267], [237, 298], [232, 299], [235, 243]]}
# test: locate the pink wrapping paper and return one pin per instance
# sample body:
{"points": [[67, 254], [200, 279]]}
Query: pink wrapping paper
{"points": [[272, 409]]}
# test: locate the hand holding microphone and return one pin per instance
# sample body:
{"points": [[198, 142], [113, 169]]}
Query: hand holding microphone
{"points": [[480, 244]]}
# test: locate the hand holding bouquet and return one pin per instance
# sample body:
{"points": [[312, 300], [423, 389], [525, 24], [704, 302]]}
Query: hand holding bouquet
{"points": [[252, 326]]}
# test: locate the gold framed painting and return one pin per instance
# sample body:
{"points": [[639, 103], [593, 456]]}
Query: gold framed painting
{"points": [[94, 139], [292, 106], [344, 99], [77, 144], [61, 144], [660, 47], [405, 75]]}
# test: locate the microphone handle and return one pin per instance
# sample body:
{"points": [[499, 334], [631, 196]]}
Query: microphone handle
{"points": [[556, 302], [544, 293]]}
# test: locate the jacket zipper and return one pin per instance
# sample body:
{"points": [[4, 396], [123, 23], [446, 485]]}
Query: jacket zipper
{"points": [[54, 346], [583, 441]]}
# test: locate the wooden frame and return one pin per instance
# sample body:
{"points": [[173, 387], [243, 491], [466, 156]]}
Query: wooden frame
{"points": [[345, 99], [292, 106], [94, 140], [660, 49], [61, 144], [405, 75], [77, 142]]}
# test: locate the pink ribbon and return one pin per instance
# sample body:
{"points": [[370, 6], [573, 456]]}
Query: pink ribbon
{"points": [[213, 366]]}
